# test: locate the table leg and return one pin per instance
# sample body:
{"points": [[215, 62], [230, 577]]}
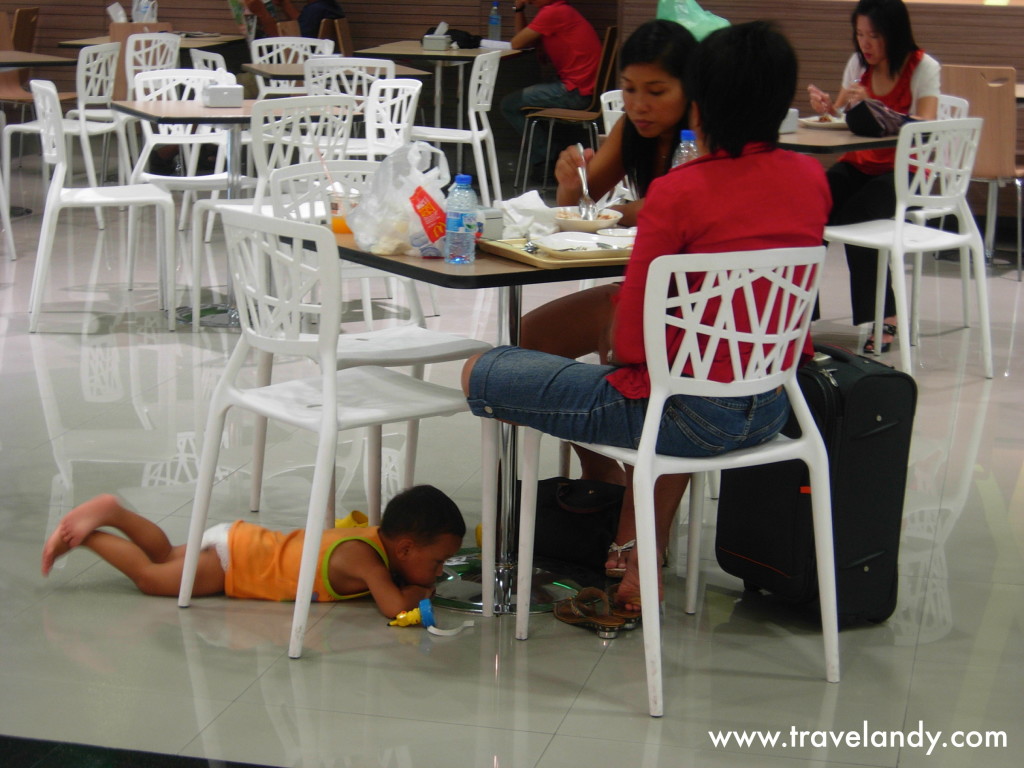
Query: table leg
{"points": [[437, 93], [463, 591]]}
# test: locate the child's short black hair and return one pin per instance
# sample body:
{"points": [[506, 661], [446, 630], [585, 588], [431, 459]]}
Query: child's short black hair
{"points": [[742, 79], [422, 513]]}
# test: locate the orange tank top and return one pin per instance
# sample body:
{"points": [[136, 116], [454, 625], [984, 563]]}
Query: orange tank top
{"points": [[264, 564]]}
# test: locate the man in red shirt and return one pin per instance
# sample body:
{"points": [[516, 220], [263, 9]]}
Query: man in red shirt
{"points": [[571, 44]]}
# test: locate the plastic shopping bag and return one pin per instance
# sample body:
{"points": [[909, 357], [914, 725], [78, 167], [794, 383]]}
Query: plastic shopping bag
{"points": [[701, 23], [402, 211]]}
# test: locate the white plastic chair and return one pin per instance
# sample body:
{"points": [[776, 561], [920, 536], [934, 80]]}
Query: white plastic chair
{"points": [[952, 107], [203, 59], [285, 50], [5, 207], [345, 75], [301, 193], [144, 52], [612, 108], [189, 138], [479, 134], [388, 114], [934, 160], [287, 274], [283, 132], [676, 300], [59, 197], [92, 116]]}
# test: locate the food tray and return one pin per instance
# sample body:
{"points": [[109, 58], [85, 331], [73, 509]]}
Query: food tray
{"points": [[513, 249]]}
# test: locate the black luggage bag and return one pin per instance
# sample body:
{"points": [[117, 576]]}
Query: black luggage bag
{"points": [[865, 411]]}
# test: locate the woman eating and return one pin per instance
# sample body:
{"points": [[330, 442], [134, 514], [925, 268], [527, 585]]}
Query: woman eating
{"points": [[728, 199], [640, 145], [887, 66]]}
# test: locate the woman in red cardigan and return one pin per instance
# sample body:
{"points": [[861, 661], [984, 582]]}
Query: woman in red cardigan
{"points": [[743, 193]]}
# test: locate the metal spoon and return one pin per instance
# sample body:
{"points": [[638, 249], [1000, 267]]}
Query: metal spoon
{"points": [[588, 208]]}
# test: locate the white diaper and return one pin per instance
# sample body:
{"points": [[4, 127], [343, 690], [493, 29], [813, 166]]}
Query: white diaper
{"points": [[217, 537]]}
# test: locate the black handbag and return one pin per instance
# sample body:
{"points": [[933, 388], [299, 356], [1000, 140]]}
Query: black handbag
{"points": [[872, 118], [576, 520]]}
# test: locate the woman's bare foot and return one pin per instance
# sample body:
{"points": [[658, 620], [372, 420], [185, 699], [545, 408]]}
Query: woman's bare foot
{"points": [[618, 556], [627, 596], [77, 525]]}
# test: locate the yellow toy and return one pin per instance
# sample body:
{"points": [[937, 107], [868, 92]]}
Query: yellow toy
{"points": [[422, 615], [355, 519]]}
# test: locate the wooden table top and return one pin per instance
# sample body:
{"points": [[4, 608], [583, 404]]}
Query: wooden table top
{"points": [[296, 71], [205, 41], [824, 141], [189, 111], [413, 49], [488, 271], [26, 59]]}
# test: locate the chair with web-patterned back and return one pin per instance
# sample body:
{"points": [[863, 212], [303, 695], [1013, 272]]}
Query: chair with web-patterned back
{"points": [[758, 301]]}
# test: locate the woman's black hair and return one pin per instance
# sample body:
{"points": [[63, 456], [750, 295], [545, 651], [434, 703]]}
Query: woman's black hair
{"points": [[742, 80], [891, 20], [667, 45], [422, 513]]}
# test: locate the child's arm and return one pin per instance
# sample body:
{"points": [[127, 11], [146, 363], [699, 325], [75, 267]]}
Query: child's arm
{"points": [[389, 597], [355, 566]]}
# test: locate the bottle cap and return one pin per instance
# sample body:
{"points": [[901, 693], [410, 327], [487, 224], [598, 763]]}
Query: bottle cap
{"points": [[463, 178], [687, 135]]}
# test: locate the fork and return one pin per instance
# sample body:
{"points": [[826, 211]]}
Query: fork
{"points": [[588, 208]]}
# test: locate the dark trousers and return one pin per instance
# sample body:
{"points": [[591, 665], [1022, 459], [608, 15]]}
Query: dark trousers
{"points": [[858, 197]]}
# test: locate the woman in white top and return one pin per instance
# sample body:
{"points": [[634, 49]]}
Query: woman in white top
{"points": [[887, 66]]}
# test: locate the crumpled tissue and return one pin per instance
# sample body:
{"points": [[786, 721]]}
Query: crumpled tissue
{"points": [[527, 216]]}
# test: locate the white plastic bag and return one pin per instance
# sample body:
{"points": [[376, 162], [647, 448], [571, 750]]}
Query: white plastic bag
{"points": [[402, 211]]}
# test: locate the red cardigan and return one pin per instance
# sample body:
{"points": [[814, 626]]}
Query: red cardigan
{"points": [[766, 198]]}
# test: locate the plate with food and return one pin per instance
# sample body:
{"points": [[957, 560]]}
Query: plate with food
{"points": [[824, 121], [568, 219], [586, 245]]}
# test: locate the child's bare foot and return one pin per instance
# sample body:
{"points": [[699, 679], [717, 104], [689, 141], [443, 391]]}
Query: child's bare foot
{"points": [[54, 547], [77, 525]]}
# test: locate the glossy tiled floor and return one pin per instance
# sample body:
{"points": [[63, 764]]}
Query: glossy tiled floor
{"points": [[103, 398]]}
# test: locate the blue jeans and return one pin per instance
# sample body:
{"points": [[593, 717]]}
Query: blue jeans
{"points": [[539, 95], [574, 401]]}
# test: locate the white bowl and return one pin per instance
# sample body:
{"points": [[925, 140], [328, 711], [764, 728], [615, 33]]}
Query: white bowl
{"points": [[568, 219]]}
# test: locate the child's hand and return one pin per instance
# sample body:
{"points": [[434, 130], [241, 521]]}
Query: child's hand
{"points": [[412, 594]]}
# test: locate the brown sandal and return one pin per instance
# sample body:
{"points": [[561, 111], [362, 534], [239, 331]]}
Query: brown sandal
{"points": [[589, 609]]}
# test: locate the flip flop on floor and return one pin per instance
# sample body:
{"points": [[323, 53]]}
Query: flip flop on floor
{"points": [[589, 609], [631, 619]]}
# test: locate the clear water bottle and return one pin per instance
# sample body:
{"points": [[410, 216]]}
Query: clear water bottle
{"points": [[687, 149], [494, 23], [461, 215]]}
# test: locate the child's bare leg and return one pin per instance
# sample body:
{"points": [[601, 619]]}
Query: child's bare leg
{"points": [[161, 577], [100, 511]]}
